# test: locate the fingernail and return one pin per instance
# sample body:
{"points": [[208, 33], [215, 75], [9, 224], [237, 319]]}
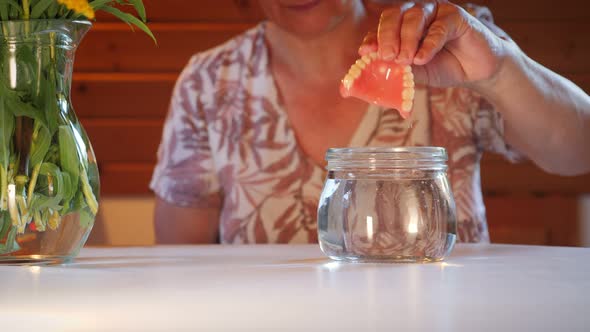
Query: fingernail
{"points": [[387, 55], [420, 56], [402, 58]]}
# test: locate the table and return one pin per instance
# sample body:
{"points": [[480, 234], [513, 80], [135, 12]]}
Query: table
{"points": [[295, 288]]}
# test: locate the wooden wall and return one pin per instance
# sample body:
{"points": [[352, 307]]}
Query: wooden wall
{"points": [[123, 83]]}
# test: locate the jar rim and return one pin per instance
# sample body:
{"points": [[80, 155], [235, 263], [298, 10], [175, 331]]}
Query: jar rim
{"points": [[432, 153]]}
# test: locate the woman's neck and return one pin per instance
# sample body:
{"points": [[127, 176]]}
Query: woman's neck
{"points": [[323, 58]]}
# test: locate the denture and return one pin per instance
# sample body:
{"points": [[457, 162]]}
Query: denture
{"points": [[380, 82]]}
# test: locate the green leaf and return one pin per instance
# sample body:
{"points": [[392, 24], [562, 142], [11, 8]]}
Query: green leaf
{"points": [[40, 145], [7, 121], [86, 218], [15, 12], [19, 108], [100, 4], [40, 7], [78, 202], [4, 224], [68, 188], [130, 19], [93, 177], [26, 64], [68, 154], [140, 8], [52, 200], [3, 11], [41, 202], [91, 200], [10, 3], [53, 154], [3, 188], [5, 5], [68, 192], [49, 99], [51, 170], [52, 10], [10, 245]]}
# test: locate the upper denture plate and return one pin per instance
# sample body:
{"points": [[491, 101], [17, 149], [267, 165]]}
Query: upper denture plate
{"points": [[407, 69]]}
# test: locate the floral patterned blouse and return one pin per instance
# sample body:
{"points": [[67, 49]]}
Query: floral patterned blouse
{"points": [[227, 143]]}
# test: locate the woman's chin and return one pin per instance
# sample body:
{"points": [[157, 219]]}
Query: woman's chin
{"points": [[310, 29]]}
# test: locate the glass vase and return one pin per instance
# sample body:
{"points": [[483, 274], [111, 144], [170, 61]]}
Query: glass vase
{"points": [[49, 181]]}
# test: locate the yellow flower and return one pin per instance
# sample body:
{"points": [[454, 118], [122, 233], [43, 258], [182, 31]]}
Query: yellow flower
{"points": [[79, 6]]}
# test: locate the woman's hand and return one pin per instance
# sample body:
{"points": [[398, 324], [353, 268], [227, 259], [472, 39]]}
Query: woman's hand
{"points": [[546, 117], [446, 45]]}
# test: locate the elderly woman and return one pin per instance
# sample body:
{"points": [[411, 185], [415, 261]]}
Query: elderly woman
{"points": [[250, 121]]}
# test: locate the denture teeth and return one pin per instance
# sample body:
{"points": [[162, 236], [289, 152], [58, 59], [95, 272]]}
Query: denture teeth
{"points": [[407, 105], [374, 55], [360, 63], [347, 81], [408, 84], [408, 77], [407, 69], [408, 94], [366, 59], [354, 71]]}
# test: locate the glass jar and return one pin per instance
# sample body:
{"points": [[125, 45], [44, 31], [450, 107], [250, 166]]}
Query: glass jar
{"points": [[49, 183], [387, 204]]}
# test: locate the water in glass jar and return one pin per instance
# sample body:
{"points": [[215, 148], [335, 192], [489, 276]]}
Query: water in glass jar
{"points": [[409, 220]]}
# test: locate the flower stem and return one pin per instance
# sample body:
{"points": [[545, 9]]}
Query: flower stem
{"points": [[54, 220], [12, 207], [40, 222], [33, 183], [26, 9], [3, 189], [88, 194]]}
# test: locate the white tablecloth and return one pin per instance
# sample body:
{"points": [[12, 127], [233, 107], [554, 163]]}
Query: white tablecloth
{"points": [[295, 288]]}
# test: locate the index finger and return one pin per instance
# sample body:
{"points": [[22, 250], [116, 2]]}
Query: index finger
{"points": [[369, 44], [388, 31]]}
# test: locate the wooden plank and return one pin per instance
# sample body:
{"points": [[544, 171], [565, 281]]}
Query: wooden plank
{"points": [[141, 96], [147, 95], [197, 10], [125, 178], [561, 46], [540, 10], [124, 140], [114, 48], [550, 220], [249, 11], [129, 140], [500, 176]]}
